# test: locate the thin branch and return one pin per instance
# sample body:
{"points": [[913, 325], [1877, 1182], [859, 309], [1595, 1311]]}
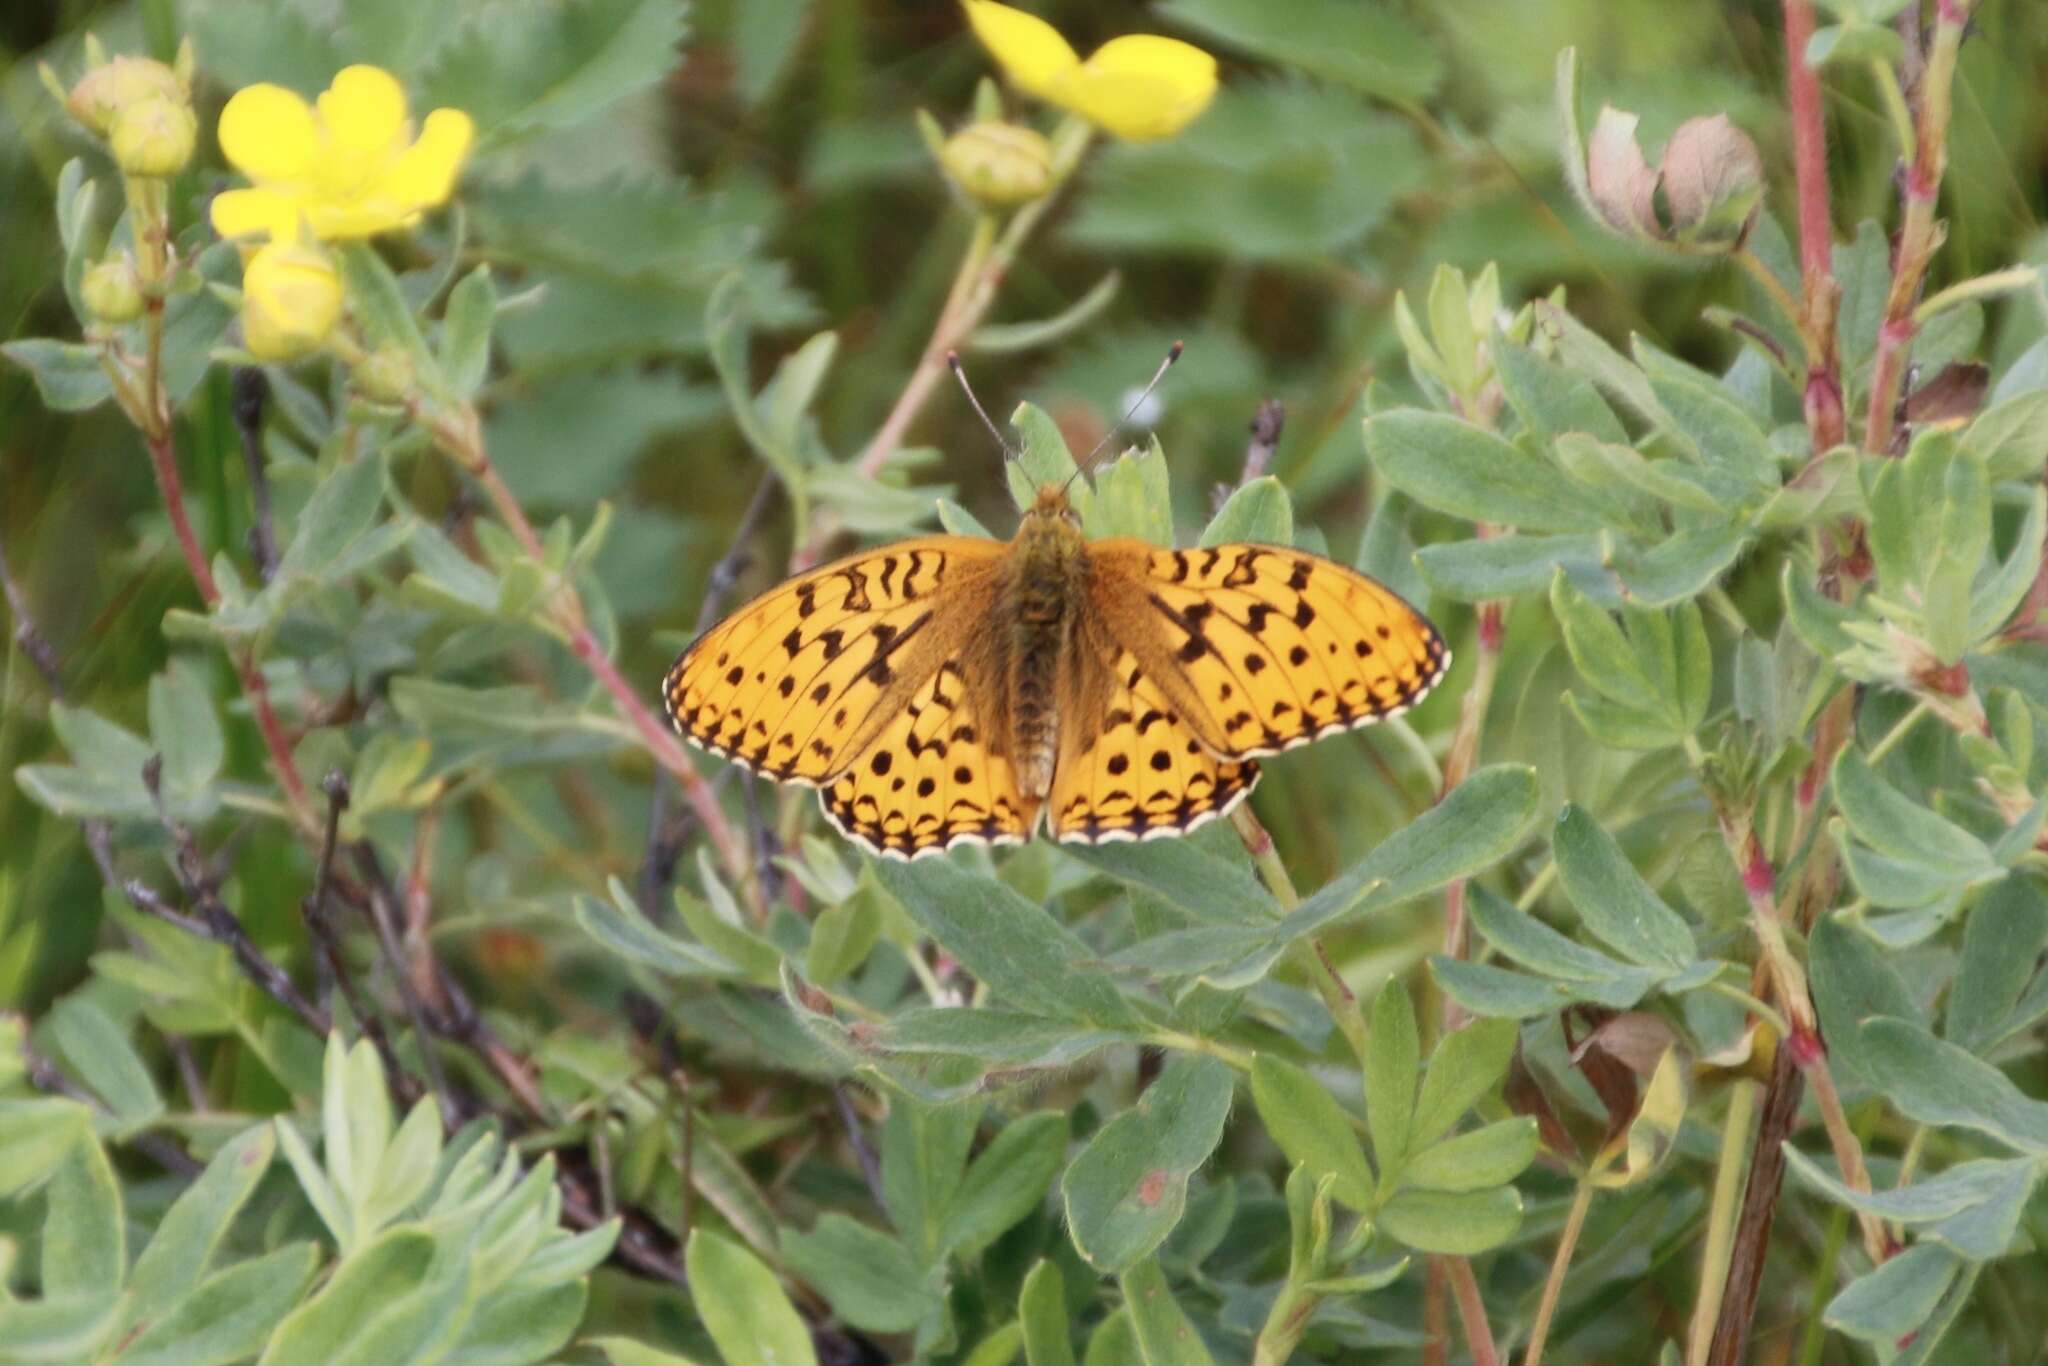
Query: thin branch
{"points": [[726, 573], [1820, 297], [1267, 425], [1759, 1209], [45, 1076], [250, 391], [34, 644], [863, 1151]]}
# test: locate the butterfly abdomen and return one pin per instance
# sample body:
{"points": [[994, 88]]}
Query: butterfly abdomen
{"points": [[1047, 579]]}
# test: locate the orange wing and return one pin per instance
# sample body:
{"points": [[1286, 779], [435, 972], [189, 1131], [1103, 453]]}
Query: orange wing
{"points": [[800, 681], [1262, 648], [1130, 767]]}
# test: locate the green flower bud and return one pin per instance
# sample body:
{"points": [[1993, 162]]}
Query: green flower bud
{"points": [[110, 87], [998, 164], [111, 292], [153, 136], [385, 375]]}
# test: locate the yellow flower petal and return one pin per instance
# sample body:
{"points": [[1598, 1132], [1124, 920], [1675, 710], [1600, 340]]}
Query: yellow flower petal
{"points": [[1140, 88], [244, 213], [1030, 51], [268, 133], [363, 109], [424, 176]]}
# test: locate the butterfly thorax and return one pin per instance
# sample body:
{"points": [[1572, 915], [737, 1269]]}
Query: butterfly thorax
{"points": [[1047, 576]]}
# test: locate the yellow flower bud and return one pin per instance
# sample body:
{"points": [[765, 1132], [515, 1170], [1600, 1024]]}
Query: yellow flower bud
{"points": [[291, 297], [111, 292], [106, 90], [998, 163], [153, 136]]}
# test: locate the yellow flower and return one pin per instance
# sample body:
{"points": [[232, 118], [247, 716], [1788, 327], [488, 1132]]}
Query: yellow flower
{"points": [[291, 297], [1141, 87], [348, 168]]}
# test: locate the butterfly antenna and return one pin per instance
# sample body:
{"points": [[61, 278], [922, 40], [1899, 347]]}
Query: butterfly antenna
{"points": [[1172, 355], [960, 373]]}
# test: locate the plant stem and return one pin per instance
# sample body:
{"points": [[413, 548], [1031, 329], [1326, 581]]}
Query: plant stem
{"points": [[462, 438], [1567, 1243], [1919, 233], [1720, 1239], [1820, 297], [1471, 1311], [975, 287], [1307, 954]]}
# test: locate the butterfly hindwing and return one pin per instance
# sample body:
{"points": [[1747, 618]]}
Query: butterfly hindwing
{"points": [[1131, 767], [798, 681], [1270, 647], [929, 779]]}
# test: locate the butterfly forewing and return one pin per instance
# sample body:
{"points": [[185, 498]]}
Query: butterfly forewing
{"points": [[798, 682], [1267, 647]]}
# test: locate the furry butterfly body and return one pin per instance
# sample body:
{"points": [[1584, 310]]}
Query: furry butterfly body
{"points": [[950, 689]]}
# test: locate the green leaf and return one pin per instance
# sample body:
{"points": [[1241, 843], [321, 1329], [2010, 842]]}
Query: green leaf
{"points": [[924, 1151], [873, 1281], [1469, 472], [1537, 947], [1005, 1183], [1886, 1304], [1550, 400], [1468, 1063], [186, 732], [1043, 459], [1210, 886], [743, 1307], [1613, 901], [1499, 993], [1114, 1342], [1311, 1128], [1393, 1059], [1128, 1188], [1477, 825], [2009, 435], [1486, 1157], [1013, 945], [1938, 1083], [391, 1300], [1369, 49], [1165, 1334], [377, 301], [1042, 1310], [2002, 944], [1132, 497], [842, 936], [1602, 653], [101, 1055], [1461, 1224], [622, 929], [228, 1316], [530, 70], [85, 1238], [1901, 828], [1504, 566], [1258, 511], [1853, 980], [342, 509], [466, 331], [1726, 437], [36, 1133], [191, 1231], [68, 375]]}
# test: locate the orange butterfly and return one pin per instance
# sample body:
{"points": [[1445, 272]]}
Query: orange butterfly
{"points": [[951, 689]]}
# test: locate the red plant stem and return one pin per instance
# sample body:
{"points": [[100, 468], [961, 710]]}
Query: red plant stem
{"points": [[1919, 233], [1819, 296], [163, 459], [465, 444], [1471, 1312]]}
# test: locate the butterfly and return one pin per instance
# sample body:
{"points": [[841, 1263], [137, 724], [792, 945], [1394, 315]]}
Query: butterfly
{"points": [[954, 689]]}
